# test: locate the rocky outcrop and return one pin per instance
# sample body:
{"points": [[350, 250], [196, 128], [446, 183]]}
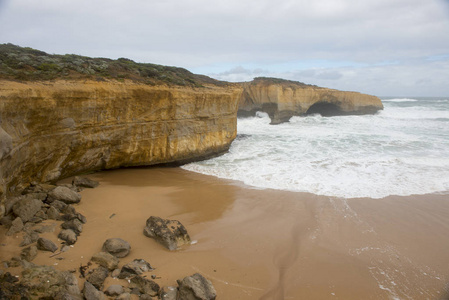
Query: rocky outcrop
{"points": [[54, 129], [282, 99], [169, 233]]}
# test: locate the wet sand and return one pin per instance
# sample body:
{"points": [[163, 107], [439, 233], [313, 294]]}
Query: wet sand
{"points": [[267, 244]]}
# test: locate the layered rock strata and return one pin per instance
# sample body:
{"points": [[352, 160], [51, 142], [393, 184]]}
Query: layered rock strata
{"points": [[50, 130], [282, 99]]}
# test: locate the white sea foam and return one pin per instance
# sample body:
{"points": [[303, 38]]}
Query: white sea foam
{"points": [[400, 100], [403, 150]]}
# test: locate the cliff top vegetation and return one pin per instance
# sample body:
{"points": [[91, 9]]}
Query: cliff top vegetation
{"points": [[284, 82], [28, 64]]}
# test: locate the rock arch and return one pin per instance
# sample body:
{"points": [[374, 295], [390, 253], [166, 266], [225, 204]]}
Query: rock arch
{"points": [[326, 109]]}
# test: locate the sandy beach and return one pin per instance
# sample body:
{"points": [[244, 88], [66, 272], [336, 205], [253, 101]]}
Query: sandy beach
{"points": [[266, 244]]}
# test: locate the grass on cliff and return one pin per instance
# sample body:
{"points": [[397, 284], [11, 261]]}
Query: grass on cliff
{"points": [[27, 64], [283, 82]]}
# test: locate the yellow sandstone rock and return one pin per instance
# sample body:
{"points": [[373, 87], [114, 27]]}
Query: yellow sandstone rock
{"points": [[53, 129]]}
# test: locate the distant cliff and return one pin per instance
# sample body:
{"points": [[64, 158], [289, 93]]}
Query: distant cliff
{"points": [[282, 99], [54, 129]]}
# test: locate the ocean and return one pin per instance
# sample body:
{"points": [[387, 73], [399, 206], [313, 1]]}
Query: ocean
{"points": [[402, 150]]}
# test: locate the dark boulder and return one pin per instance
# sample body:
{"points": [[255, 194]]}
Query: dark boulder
{"points": [[46, 245], [68, 235], [27, 207], [29, 238], [74, 225], [53, 213], [29, 253], [169, 293], [59, 205], [84, 182], [117, 247], [145, 286], [106, 260], [91, 293], [98, 276], [170, 233], [136, 267], [114, 290], [196, 287], [64, 194], [16, 226]]}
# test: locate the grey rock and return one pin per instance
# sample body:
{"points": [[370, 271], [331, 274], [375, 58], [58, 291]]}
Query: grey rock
{"points": [[16, 226], [15, 262], [26, 208], [29, 253], [51, 283], [115, 273], [91, 293], [117, 247], [10, 202], [84, 182], [69, 209], [72, 187], [81, 217], [7, 220], [30, 238], [71, 216], [106, 260], [64, 194], [45, 228], [53, 213], [59, 205], [124, 296], [41, 214], [145, 297], [169, 233], [196, 287], [136, 267], [114, 290], [135, 291], [27, 264], [68, 235], [98, 276], [144, 285], [46, 245], [169, 293], [74, 225]]}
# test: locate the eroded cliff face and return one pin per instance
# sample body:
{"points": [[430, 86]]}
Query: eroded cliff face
{"points": [[50, 130], [283, 99]]}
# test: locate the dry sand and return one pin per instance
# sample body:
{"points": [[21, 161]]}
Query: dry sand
{"points": [[267, 244]]}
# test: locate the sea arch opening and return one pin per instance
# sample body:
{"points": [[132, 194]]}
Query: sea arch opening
{"points": [[325, 109]]}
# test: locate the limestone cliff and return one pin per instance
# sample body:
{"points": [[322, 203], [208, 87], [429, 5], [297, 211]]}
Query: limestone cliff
{"points": [[53, 129], [282, 99]]}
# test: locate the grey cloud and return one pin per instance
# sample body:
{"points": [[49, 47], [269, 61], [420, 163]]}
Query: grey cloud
{"points": [[206, 33]]}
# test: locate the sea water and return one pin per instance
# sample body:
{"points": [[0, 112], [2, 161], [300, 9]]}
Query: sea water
{"points": [[402, 150]]}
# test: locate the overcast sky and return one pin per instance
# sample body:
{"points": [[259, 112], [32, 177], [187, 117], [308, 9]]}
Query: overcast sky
{"points": [[380, 47]]}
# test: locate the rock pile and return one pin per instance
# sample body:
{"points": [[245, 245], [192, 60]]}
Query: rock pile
{"points": [[23, 215], [40, 202]]}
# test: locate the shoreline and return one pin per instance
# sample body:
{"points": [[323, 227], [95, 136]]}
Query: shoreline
{"points": [[266, 244]]}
